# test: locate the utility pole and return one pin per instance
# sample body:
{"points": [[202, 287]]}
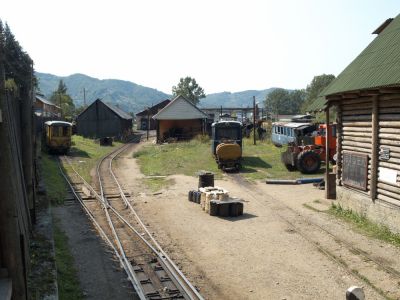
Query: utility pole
{"points": [[148, 122], [84, 97], [59, 100], [254, 120]]}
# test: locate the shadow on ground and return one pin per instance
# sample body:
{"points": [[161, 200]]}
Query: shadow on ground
{"points": [[245, 216], [251, 163], [74, 152]]}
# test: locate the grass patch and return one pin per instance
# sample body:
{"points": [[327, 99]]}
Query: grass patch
{"points": [[365, 226], [41, 277], [263, 160], [156, 184], [56, 187], [311, 208], [85, 153], [67, 279], [259, 161], [178, 158]]}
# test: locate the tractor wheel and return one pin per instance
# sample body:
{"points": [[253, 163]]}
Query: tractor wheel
{"points": [[308, 162], [290, 167]]}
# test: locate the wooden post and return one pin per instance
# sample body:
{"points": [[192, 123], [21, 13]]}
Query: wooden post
{"points": [[148, 122], [327, 145], [374, 147], [254, 120]]}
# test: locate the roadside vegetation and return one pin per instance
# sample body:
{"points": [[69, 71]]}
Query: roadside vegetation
{"points": [[365, 226], [85, 153], [67, 279], [260, 161]]}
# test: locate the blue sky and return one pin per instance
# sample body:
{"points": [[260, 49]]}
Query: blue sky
{"points": [[225, 45]]}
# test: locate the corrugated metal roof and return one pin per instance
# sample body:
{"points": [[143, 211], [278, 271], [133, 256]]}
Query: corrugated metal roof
{"points": [[180, 109], [118, 111], [154, 109], [115, 109], [317, 105], [377, 66], [44, 100]]}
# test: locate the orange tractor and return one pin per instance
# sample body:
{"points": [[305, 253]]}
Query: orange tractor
{"points": [[307, 157]]}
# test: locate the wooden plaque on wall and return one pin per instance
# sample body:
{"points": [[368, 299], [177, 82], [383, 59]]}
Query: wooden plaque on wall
{"points": [[355, 170]]}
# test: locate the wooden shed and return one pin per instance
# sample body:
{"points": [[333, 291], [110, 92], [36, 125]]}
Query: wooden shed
{"points": [[180, 120], [366, 96], [45, 108], [101, 119], [145, 117]]}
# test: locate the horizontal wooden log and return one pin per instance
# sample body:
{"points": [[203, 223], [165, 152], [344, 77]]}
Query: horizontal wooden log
{"points": [[388, 194], [356, 144], [389, 130], [388, 199], [348, 137], [389, 165], [358, 101], [390, 124], [353, 134], [357, 149], [357, 118], [356, 124], [389, 142], [359, 129], [366, 112], [389, 186], [392, 160], [390, 136], [390, 98], [394, 155], [389, 110], [389, 117]]}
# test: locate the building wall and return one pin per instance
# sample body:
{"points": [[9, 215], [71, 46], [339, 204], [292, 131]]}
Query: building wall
{"points": [[99, 121], [379, 211], [360, 132], [189, 128]]}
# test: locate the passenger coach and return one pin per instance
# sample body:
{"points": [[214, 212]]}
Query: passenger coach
{"points": [[57, 135]]}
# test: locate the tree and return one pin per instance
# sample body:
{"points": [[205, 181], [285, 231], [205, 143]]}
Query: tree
{"points": [[281, 101], [61, 98], [188, 88], [315, 88]]}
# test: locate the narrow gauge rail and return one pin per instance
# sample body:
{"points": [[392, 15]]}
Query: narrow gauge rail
{"points": [[334, 246], [152, 273]]}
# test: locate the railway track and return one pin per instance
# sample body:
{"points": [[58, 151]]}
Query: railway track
{"points": [[384, 279], [149, 269]]}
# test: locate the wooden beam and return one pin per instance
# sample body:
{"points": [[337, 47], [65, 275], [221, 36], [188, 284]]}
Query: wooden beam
{"points": [[328, 187], [375, 150]]}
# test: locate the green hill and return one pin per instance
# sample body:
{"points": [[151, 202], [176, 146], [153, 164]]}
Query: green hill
{"points": [[127, 95], [239, 99], [132, 97]]}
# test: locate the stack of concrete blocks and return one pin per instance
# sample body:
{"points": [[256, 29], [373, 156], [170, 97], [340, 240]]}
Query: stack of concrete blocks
{"points": [[216, 202]]}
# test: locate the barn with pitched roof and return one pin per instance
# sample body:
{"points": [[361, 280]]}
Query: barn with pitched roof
{"points": [[366, 97], [180, 120], [101, 119]]}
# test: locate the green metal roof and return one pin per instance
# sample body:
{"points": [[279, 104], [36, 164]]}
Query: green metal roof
{"points": [[377, 66], [317, 105]]}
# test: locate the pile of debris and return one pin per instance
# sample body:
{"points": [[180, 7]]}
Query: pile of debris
{"points": [[215, 200]]}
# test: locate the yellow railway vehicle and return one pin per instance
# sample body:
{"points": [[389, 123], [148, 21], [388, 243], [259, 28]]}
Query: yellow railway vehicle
{"points": [[57, 135]]}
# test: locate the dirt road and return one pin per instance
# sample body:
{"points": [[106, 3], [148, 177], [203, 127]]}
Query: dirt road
{"points": [[279, 249]]}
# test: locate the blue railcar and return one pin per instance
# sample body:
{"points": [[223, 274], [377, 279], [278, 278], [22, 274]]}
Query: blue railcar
{"points": [[284, 133]]}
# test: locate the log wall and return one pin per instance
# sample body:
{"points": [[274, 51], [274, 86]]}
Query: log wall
{"points": [[359, 131]]}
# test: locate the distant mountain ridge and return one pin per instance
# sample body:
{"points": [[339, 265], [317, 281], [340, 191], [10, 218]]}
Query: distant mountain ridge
{"points": [[132, 97]]}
